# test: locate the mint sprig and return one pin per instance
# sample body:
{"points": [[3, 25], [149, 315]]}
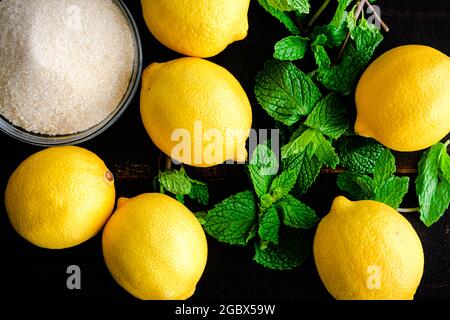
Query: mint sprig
{"points": [[263, 217], [433, 183]]}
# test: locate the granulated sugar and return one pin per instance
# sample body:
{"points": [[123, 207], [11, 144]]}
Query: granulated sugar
{"points": [[65, 65]]}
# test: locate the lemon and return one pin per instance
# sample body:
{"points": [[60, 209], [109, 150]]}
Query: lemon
{"points": [[195, 111], [403, 98], [366, 250], [155, 248], [60, 197], [197, 28]]}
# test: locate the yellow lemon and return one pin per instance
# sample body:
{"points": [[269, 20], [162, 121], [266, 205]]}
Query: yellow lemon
{"points": [[365, 250], [195, 111], [60, 197], [403, 99], [197, 28], [155, 248]]}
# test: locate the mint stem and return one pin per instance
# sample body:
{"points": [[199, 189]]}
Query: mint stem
{"points": [[385, 27], [408, 210], [359, 9], [318, 13], [446, 143]]}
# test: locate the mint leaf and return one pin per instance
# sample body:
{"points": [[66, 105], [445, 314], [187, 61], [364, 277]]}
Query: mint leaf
{"points": [[296, 214], [299, 141], [285, 92], [262, 168], [269, 225], [445, 167], [281, 16], [384, 167], [175, 182], [282, 5], [231, 220], [316, 143], [252, 233], [290, 253], [284, 183], [267, 201], [199, 192], [180, 198], [201, 215], [291, 48], [330, 117], [432, 185], [309, 169], [359, 154], [324, 150], [320, 54], [392, 191], [302, 6], [358, 187]]}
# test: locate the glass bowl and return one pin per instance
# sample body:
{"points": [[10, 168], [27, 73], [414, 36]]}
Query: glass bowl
{"points": [[76, 138]]}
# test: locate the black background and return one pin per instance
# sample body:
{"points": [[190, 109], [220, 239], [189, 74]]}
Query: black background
{"points": [[30, 272]]}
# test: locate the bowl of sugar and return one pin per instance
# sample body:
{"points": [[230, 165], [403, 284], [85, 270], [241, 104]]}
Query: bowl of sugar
{"points": [[68, 68]]}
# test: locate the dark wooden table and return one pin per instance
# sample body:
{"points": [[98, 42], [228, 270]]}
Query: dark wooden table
{"points": [[30, 272]]}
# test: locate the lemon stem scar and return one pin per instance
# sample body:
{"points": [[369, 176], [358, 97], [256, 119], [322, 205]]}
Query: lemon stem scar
{"points": [[109, 176], [408, 210]]}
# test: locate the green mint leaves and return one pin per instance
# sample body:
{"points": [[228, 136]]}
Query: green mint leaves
{"points": [[383, 186], [342, 77], [180, 185], [433, 183], [285, 92], [271, 217]]}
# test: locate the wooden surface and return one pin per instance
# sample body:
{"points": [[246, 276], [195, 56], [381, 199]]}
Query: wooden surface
{"points": [[30, 272]]}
